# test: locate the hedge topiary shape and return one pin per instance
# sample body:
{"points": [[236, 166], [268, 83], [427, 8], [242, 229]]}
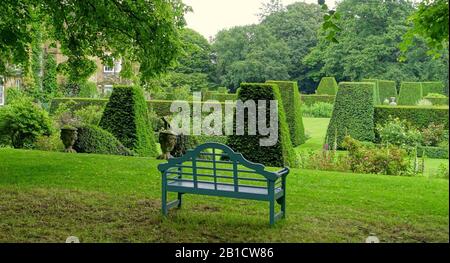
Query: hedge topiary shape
{"points": [[376, 99], [327, 86], [352, 114], [281, 154], [432, 87], [292, 107], [410, 93], [387, 89], [126, 117], [93, 139]]}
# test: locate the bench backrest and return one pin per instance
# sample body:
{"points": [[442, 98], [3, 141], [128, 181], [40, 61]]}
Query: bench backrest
{"points": [[215, 164]]}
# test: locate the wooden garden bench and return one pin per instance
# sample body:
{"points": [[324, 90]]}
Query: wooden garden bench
{"points": [[216, 170]]}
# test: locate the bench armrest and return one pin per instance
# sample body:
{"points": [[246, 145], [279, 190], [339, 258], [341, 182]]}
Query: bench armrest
{"points": [[283, 172]]}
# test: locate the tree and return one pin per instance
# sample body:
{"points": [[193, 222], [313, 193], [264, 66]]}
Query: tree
{"points": [[368, 46], [269, 8], [49, 81], [250, 54], [430, 22], [145, 31]]}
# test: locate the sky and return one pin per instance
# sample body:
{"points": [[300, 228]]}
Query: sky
{"points": [[211, 16]]}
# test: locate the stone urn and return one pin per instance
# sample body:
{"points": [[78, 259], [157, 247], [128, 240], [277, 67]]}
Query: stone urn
{"points": [[68, 136], [393, 103], [167, 140]]}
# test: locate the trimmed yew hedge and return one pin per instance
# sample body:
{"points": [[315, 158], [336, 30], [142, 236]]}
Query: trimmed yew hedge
{"points": [[281, 154], [313, 99], [420, 117], [353, 113], [432, 87], [433, 152], [387, 89], [437, 101], [93, 139], [376, 99], [327, 86], [292, 107], [222, 97], [410, 93], [126, 117]]}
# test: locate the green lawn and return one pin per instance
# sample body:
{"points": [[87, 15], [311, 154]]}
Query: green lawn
{"points": [[46, 197]]}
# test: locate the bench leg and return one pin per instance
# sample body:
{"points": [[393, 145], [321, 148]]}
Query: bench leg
{"points": [[283, 206], [164, 200], [272, 212], [180, 197]]}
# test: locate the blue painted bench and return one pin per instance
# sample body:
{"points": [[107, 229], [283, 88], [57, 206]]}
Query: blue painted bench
{"points": [[214, 169]]}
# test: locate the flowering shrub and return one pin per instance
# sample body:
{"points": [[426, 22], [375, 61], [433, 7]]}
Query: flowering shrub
{"points": [[389, 160], [433, 134], [399, 133]]}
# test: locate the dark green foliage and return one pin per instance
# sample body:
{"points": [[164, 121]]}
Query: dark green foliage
{"points": [[420, 117], [433, 152], [93, 139], [281, 154], [126, 117], [387, 89], [292, 107], [410, 93], [327, 86], [377, 99], [49, 81], [352, 113], [313, 99], [432, 87], [23, 121], [318, 110], [88, 89], [79, 103]]}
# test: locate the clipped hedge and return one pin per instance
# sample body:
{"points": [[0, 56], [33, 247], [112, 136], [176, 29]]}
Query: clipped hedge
{"points": [[387, 89], [437, 101], [126, 117], [282, 153], [222, 97], [80, 103], [313, 99], [420, 117], [292, 106], [93, 139], [353, 113], [376, 100], [327, 86], [433, 87], [433, 152], [410, 93]]}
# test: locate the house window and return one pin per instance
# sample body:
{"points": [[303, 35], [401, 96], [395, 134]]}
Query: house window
{"points": [[107, 89], [114, 69], [2, 95], [108, 69], [18, 83]]}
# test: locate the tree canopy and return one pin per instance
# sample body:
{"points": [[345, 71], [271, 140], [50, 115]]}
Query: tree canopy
{"points": [[145, 31]]}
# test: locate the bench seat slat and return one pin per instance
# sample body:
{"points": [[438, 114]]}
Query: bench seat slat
{"points": [[222, 187], [218, 176]]}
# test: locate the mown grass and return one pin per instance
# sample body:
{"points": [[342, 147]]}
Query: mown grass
{"points": [[46, 197]]}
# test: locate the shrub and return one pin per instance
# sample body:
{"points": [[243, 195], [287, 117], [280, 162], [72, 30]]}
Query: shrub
{"points": [[126, 117], [223, 90], [23, 122], [376, 100], [400, 133], [290, 97], [437, 99], [92, 139], [389, 160], [50, 143], [433, 134], [352, 113], [313, 99], [88, 89], [90, 114], [442, 172], [324, 160], [433, 152], [420, 117], [318, 110], [433, 87], [387, 89], [410, 93], [278, 155], [327, 86]]}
